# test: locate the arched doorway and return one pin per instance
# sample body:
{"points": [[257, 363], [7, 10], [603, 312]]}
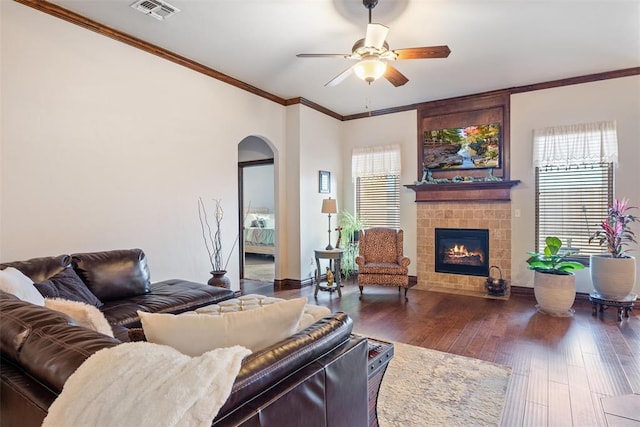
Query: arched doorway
{"points": [[257, 209]]}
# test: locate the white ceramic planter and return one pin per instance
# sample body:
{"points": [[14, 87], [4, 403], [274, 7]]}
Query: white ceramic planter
{"points": [[613, 278], [555, 293]]}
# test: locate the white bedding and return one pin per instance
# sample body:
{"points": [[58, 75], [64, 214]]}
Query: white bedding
{"points": [[259, 236]]}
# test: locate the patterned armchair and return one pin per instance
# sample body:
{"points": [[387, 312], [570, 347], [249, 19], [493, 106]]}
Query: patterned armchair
{"points": [[380, 261]]}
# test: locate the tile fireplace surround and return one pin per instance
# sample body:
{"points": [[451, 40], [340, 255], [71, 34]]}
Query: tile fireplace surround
{"points": [[492, 215]]}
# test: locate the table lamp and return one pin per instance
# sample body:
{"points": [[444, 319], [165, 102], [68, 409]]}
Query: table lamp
{"points": [[329, 207]]}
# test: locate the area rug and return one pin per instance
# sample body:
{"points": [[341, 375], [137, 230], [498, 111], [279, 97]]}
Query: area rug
{"points": [[425, 387]]}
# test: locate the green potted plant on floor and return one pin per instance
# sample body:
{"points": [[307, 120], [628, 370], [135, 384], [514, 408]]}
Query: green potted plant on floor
{"points": [[554, 283], [614, 274], [350, 225]]}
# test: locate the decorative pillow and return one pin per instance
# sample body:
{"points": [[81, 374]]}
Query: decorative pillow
{"points": [[258, 223], [269, 221], [16, 283], [84, 314], [195, 334], [68, 285], [248, 220], [136, 334]]}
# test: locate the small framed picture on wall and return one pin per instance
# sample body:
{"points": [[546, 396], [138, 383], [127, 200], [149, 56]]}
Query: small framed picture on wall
{"points": [[324, 182]]}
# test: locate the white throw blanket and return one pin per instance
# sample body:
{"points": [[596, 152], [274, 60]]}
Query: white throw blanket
{"points": [[142, 384]]}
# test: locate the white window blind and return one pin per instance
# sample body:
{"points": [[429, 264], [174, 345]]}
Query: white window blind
{"points": [[378, 200], [574, 182], [376, 175], [571, 202]]}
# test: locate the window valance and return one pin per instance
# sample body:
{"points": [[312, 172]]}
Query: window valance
{"points": [[574, 145], [375, 161]]}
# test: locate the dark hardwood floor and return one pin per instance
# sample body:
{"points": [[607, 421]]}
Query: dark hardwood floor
{"points": [[562, 367]]}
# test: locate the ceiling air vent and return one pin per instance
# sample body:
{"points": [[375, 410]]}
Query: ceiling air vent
{"points": [[155, 8]]}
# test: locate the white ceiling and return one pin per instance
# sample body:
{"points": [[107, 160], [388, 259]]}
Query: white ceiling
{"points": [[494, 44]]}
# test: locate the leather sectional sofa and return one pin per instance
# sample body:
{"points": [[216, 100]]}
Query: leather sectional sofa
{"points": [[121, 281], [317, 377]]}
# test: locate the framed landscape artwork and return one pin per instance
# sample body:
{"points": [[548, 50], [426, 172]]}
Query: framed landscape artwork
{"points": [[466, 147]]}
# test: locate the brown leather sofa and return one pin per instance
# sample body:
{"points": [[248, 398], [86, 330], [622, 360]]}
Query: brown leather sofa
{"points": [[317, 377], [120, 279]]}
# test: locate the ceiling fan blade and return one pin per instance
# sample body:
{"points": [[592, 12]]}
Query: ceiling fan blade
{"points": [[324, 55], [394, 76], [340, 77], [422, 52], [376, 35]]}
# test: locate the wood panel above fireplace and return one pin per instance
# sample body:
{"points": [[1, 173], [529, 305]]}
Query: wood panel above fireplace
{"points": [[478, 184], [468, 191]]}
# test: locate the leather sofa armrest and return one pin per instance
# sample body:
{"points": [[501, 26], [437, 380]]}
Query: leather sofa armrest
{"points": [[266, 367]]}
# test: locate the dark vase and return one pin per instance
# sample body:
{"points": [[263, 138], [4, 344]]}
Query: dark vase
{"points": [[219, 279]]}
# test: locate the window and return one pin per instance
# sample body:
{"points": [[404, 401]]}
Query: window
{"points": [[574, 182], [376, 176], [571, 202], [378, 200]]}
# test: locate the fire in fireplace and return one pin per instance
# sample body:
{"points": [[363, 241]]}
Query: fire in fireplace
{"points": [[462, 251]]}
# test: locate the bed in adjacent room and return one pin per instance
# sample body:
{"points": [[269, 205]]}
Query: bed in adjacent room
{"points": [[259, 231]]}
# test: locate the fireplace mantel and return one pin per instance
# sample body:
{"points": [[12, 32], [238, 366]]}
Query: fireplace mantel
{"points": [[464, 191]]}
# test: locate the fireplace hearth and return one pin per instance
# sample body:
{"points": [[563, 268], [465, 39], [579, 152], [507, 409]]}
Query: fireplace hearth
{"points": [[462, 251]]}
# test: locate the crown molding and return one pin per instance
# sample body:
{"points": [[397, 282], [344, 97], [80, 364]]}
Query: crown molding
{"points": [[74, 18]]}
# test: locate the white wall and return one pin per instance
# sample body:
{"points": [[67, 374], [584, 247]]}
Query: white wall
{"points": [[617, 99], [1, 127], [320, 148], [258, 187], [105, 146], [398, 128]]}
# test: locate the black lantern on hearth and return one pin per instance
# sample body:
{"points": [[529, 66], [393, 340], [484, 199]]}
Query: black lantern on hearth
{"points": [[496, 286]]}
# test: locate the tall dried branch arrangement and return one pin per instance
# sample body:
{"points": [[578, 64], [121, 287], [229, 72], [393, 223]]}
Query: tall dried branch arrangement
{"points": [[212, 241]]}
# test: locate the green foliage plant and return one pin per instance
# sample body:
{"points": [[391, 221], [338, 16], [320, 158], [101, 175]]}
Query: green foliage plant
{"points": [[350, 225], [614, 231], [551, 260]]}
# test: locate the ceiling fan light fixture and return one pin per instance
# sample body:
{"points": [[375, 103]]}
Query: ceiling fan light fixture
{"points": [[370, 69]]}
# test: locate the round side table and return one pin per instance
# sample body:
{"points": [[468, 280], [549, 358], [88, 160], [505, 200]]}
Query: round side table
{"points": [[334, 256]]}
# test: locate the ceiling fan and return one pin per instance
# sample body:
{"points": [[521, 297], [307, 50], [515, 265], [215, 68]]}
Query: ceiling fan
{"points": [[373, 55]]}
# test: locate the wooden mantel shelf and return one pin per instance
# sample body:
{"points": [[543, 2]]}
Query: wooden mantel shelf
{"points": [[464, 191]]}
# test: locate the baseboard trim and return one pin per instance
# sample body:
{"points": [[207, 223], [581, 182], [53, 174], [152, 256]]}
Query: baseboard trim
{"points": [[528, 292], [285, 284]]}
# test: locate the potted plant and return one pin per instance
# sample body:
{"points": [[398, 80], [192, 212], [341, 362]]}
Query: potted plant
{"points": [[614, 274], [349, 225], [213, 243], [554, 283]]}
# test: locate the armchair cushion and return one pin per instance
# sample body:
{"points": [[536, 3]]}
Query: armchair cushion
{"points": [[383, 268]]}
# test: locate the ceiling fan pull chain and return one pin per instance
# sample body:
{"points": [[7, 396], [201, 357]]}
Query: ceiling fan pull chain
{"points": [[367, 101]]}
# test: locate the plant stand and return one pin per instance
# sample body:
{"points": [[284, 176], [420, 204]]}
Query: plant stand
{"points": [[624, 305]]}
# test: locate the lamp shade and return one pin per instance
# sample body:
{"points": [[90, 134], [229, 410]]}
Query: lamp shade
{"points": [[370, 69], [329, 206]]}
